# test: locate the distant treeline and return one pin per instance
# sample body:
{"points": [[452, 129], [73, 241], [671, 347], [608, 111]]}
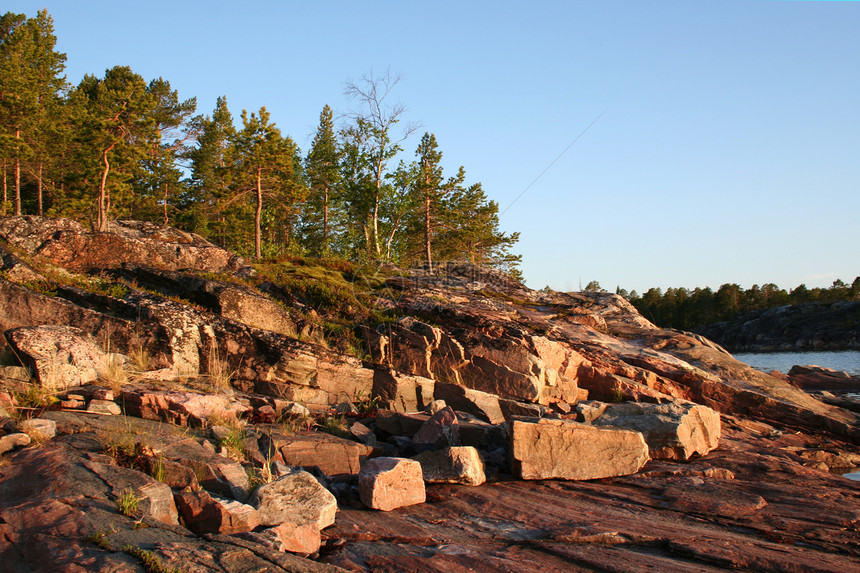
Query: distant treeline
{"points": [[685, 309]]}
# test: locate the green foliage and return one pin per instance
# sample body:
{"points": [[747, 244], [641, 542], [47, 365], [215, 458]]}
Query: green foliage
{"points": [[120, 146], [127, 503], [148, 559]]}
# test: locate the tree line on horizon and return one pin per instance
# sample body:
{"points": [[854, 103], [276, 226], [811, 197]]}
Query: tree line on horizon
{"points": [[686, 309], [119, 147]]}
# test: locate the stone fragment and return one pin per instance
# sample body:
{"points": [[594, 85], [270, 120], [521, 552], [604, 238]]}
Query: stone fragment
{"points": [[161, 504], [11, 441], [676, 430], [480, 404], [41, 427], [363, 434], [401, 392], [435, 406], [440, 431], [203, 513], [511, 408], [288, 409], [214, 472], [58, 356], [461, 465], [296, 498], [288, 537], [399, 424], [550, 449], [105, 407], [389, 483], [589, 410]]}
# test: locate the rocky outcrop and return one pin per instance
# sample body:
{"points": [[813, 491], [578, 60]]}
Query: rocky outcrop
{"points": [[468, 372], [808, 326]]}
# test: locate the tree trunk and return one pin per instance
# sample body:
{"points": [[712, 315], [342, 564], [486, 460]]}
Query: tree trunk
{"points": [[5, 189], [103, 201], [165, 204], [17, 175], [375, 221], [427, 232], [325, 221], [258, 216], [39, 190]]}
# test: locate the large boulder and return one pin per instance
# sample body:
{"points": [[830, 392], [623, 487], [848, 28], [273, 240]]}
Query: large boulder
{"points": [[296, 498], [388, 483], [562, 449], [676, 430], [203, 513]]}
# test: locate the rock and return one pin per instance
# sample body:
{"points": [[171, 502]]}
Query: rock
{"points": [[162, 507], [300, 539], [561, 449], [589, 410], [435, 406], [11, 441], [58, 356], [296, 498], [68, 244], [104, 407], [180, 407], [363, 434], [214, 472], [389, 483], [399, 424], [440, 431], [291, 410], [814, 378], [481, 404], [203, 513], [461, 465], [39, 428], [402, 393], [676, 430]]}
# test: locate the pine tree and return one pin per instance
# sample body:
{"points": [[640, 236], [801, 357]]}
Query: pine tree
{"points": [[31, 72], [118, 124], [322, 166], [267, 165]]}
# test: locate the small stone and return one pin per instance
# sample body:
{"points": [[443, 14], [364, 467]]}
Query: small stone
{"points": [[364, 434], [461, 465], [435, 406], [266, 415], [11, 441], [388, 483], [441, 430], [46, 429], [71, 404], [106, 407]]}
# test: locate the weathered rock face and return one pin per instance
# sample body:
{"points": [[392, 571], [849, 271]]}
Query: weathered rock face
{"points": [[390, 483], [551, 449], [332, 455], [203, 513], [675, 431], [59, 356], [68, 244]]}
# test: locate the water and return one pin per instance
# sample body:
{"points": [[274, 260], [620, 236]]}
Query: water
{"points": [[847, 360]]}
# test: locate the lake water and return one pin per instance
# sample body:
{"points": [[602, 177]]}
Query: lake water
{"points": [[847, 361]]}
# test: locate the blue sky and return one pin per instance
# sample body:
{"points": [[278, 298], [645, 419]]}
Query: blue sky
{"points": [[728, 149]]}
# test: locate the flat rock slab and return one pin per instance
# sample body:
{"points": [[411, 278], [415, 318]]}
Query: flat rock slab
{"points": [[561, 449], [332, 455]]}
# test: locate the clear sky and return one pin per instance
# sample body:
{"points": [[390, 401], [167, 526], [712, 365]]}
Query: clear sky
{"points": [[728, 149]]}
